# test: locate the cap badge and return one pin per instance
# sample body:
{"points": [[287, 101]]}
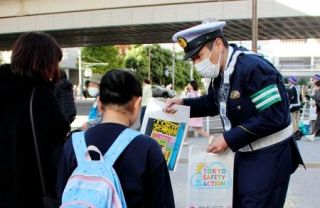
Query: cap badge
{"points": [[234, 94], [182, 42]]}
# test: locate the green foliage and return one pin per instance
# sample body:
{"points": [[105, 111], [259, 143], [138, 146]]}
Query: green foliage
{"points": [[303, 81], [137, 59], [161, 60], [182, 77], [182, 74], [104, 54]]}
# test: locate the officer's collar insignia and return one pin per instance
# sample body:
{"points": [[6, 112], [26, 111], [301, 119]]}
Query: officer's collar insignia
{"points": [[182, 42], [234, 94]]}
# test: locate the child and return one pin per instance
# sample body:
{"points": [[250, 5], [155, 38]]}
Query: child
{"points": [[92, 85], [141, 167]]}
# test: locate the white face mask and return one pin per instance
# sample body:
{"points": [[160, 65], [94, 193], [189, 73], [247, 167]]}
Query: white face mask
{"points": [[93, 91], [207, 69]]}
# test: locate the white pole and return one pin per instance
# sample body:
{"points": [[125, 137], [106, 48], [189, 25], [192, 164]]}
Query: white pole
{"points": [[208, 124], [80, 74], [191, 70], [173, 65]]}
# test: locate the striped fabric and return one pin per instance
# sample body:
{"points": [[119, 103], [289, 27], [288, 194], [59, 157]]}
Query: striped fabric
{"points": [[266, 97]]}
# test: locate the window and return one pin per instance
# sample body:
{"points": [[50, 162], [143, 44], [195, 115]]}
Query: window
{"points": [[316, 62], [295, 62]]}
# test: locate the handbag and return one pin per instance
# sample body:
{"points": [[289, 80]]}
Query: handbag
{"points": [[210, 178], [47, 201]]}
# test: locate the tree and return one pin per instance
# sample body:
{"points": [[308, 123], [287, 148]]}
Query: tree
{"points": [[161, 66], [98, 56], [182, 73], [161, 59], [137, 59]]}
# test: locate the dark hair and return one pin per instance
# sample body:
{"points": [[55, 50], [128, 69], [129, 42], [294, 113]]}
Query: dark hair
{"points": [[317, 83], [119, 87], [209, 44], [36, 54], [146, 81], [63, 74], [194, 85]]}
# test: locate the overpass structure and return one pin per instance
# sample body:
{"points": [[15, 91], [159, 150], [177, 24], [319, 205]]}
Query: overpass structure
{"points": [[96, 22]]}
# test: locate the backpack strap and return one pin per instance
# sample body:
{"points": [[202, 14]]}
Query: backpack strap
{"points": [[122, 141], [79, 146]]}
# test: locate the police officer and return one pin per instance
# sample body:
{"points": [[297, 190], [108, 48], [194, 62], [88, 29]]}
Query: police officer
{"points": [[249, 94]]}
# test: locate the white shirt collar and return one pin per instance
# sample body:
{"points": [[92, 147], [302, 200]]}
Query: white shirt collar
{"points": [[230, 51]]}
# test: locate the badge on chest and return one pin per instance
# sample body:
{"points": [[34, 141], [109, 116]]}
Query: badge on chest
{"points": [[234, 94]]}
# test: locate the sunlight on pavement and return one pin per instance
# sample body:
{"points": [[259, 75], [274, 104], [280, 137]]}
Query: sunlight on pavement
{"points": [[289, 204]]}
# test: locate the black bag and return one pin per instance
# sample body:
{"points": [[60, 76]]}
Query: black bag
{"points": [[47, 201], [297, 135]]}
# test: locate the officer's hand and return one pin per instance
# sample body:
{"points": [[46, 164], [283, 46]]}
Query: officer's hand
{"points": [[169, 105], [218, 144]]}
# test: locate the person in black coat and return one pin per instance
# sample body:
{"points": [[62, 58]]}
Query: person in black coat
{"points": [[34, 65], [295, 104], [64, 94]]}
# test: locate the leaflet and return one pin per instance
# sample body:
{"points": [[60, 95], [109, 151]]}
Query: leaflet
{"points": [[169, 130]]}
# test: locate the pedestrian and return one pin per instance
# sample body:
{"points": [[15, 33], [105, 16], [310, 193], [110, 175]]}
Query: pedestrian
{"points": [[141, 168], [294, 101], [312, 107], [249, 95], [34, 69], [197, 122], [146, 95], [316, 127], [92, 85], [64, 93]]}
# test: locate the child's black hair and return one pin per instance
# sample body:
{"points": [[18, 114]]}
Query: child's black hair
{"points": [[119, 87]]}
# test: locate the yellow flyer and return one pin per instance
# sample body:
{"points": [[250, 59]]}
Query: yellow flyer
{"points": [[168, 130]]}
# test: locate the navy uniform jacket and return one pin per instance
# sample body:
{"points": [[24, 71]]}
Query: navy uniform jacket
{"points": [[252, 120], [294, 98]]}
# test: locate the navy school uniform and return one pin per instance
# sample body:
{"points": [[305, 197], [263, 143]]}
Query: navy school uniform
{"points": [[141, 168], [257, 172]]}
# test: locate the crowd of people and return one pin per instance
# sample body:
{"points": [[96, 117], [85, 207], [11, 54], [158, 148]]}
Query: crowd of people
{"points": [[255, 115], [305, 105]]}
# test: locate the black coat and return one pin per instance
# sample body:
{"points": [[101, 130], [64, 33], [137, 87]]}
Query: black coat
{"points": [[64, 94], [20, 181]]}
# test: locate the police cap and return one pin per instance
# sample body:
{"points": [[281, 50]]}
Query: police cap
{"points": [[194, 38]]}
